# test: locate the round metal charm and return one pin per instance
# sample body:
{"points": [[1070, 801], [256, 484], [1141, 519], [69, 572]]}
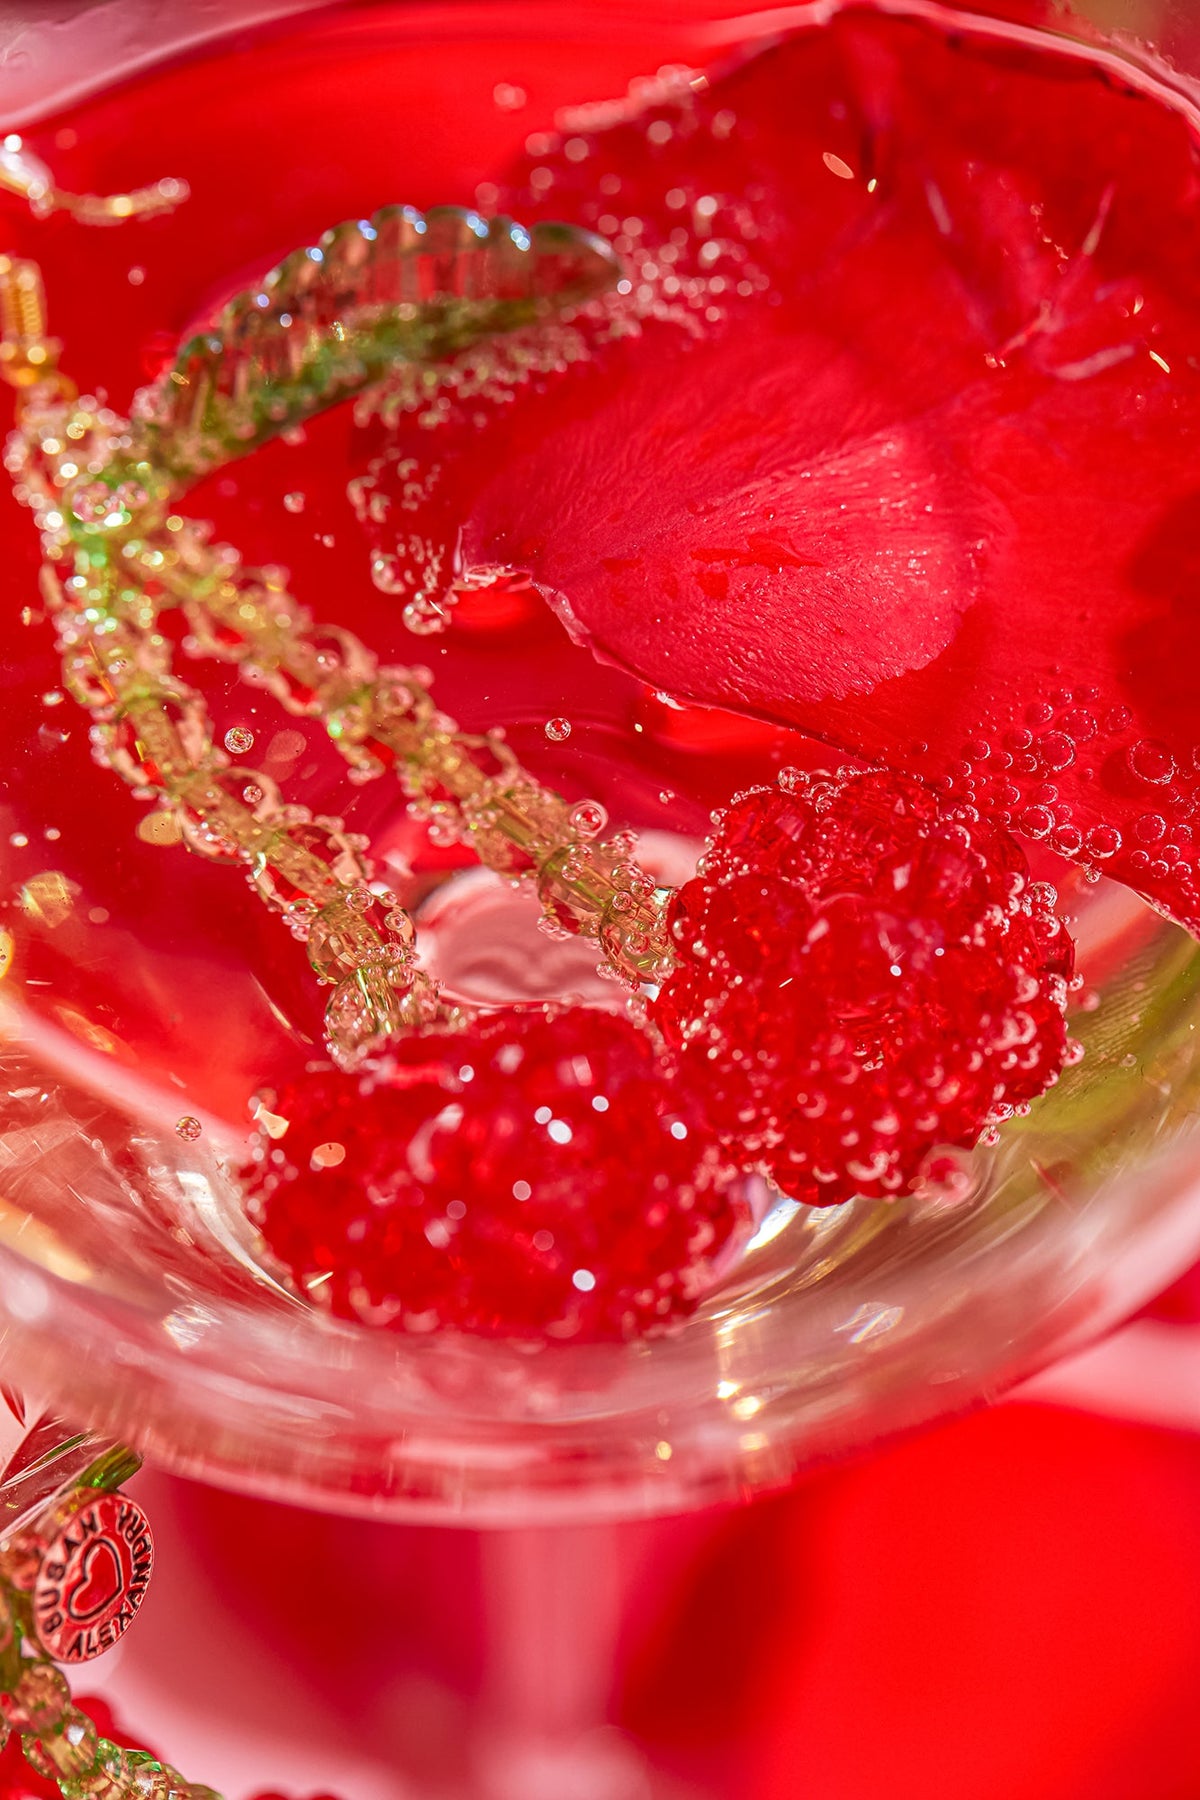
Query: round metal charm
{"points": [[92, 1577]]}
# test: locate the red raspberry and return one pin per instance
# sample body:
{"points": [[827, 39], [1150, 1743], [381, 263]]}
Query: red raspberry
{"points": [[540, 1174], [860, 977]]}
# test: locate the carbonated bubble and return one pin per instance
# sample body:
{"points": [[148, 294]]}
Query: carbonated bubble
{"points": [[1055, 750], [589, 818], [1151, 761], [328, 1156], [1036, 821], [1103, 841], [1079, 724], [387, 573], [425, 617]]}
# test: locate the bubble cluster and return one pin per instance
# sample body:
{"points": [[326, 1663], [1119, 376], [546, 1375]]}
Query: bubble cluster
{"points": [[687, 262], [1010, 773], [411, 523]]}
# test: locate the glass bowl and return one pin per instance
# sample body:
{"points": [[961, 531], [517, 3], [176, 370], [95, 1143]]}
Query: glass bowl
{"points": [[131, 1289]]}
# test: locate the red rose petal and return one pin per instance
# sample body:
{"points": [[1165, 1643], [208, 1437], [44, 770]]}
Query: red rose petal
{"points": [[931, 488]]}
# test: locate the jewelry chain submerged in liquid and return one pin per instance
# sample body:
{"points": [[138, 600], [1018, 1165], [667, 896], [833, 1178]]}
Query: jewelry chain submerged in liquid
{"points": [[75, 1561], [327, 323], [63, 1517], [418, 287], [101, 487]]}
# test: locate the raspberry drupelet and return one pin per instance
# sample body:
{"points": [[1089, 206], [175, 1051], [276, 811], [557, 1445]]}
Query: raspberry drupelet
{"points": [[861, 976]]}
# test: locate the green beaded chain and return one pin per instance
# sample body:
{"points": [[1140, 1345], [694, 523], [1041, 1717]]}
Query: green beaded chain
{"points": [[58, 1739]]}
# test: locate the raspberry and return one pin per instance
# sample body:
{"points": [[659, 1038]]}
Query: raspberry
{"points": [[860, 977], [539, 1174]]}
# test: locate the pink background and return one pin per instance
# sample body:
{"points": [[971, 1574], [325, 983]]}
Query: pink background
{"points": [[1003, 1609]]}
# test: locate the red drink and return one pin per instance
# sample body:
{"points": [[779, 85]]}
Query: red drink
{"points": [[902, 342]]}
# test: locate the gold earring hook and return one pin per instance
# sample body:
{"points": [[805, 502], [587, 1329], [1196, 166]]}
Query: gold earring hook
{"points": [[26, 175]]}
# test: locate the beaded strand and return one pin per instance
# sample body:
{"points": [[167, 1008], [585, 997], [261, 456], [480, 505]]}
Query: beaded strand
{"points": [[58, 1739], [101, 501]]}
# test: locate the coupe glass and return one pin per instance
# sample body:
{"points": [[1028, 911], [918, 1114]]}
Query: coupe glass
{"points": [[131, 1291]]}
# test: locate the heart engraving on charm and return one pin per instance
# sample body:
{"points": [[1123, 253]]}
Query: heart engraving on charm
{"points": [[99, 1584]]}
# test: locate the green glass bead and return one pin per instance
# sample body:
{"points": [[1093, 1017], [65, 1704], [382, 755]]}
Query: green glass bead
{"points": [[12, 1663], [39, 1701], [109, 1778], [36, 1757], [69, 1752], [74, 1746], [148, 1778]]}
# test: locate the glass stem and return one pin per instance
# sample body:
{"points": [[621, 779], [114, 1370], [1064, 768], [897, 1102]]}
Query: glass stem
{"points": [[554, 1600]]}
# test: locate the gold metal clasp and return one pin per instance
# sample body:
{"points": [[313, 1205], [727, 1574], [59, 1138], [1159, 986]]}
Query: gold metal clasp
{"points": [[27, 353]]}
